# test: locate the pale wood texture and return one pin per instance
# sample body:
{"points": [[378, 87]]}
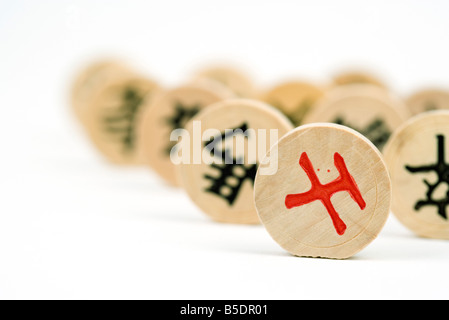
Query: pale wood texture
{"points": [[294, 98], [357, 77], [90, 80], [417, 157], [236, 80], [428, 100], [308, 230], [231, 114], [170, 111], [370, 110]]}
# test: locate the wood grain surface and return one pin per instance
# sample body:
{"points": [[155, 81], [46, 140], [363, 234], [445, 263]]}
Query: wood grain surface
{"points": [[330, 196]]}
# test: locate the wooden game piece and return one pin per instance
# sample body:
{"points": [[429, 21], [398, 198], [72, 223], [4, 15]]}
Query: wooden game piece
{"points": [[428, 100], [372, 111], [330, 196], [112, 117], [238, 82], [171, 111], [357, 77], [91, 80], [295, 99], [220, 184], [417, 157]]}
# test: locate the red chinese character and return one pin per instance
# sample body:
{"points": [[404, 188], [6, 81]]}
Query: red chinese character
{"points": [[324, 192]]}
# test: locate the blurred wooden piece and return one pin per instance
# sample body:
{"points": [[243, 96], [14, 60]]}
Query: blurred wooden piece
{"points": [[232, 78], [295, 99], [330, 196], [418, 159], [171, 111], [91, 80], [372, 111], [224, 190], [428, 100], [113, 115], [357, 77]]}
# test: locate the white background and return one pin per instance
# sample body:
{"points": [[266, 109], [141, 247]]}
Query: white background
{"points": [[72, 226]]}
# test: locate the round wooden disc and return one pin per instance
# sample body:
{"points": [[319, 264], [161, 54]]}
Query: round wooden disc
{"points": [[330, 196], [224, 191], [357, 77], [91, 80], [168, 112], [238, 82], [416, 157], [369, 110], [295, 99], [112, 118], [428, 100]]}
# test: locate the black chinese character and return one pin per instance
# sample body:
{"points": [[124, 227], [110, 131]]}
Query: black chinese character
{"points": [[441, 168], [122, 120], [179, 119], [232, 173], [377, 131]]}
